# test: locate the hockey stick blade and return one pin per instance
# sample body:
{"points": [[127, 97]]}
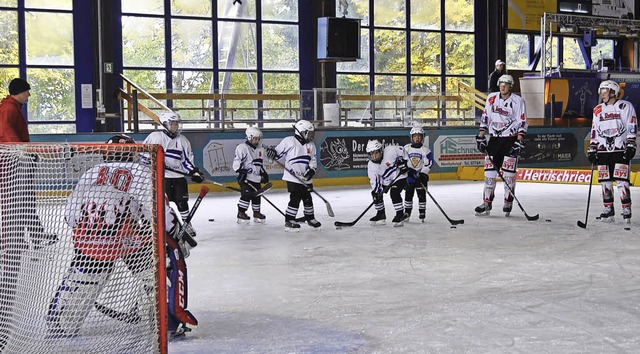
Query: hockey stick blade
{"points": [[532, 218], [582, 224], [128, 317], [343, 224]]}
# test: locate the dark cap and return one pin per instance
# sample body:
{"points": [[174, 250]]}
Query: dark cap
{"points": [[18, 86]]}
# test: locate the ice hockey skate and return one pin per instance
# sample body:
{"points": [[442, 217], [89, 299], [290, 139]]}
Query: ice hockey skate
{"points": [[407, 214], [314, 223], [607, 215], [179, 333], [259, 218], [422, 215], [626, 214], [291, 226], [243, 218], [507, 208], [398, 220], [483, 209], [379, 219]]}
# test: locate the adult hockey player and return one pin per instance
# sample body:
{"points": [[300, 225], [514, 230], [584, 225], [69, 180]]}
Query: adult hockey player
{"points": [[178, 156], [419, 161], [505, 121], [387, 170], [110, 220], [613, 146], [248, 165], [299, 155]]}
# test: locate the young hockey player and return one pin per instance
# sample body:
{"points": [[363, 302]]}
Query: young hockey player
{"points": [[179, 157], [111, 220], [248, 165], [387, 171], [613, 146], [419, 161], [299, 155], [505, 120]]}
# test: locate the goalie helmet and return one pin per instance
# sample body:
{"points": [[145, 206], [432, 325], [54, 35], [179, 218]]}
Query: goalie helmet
{"points": [[171, 122], [506, 79], [611, 85], [305, 130], [116, 154], [374, 149]]}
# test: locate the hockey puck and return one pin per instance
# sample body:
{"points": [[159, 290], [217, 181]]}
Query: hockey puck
{"points": [[627, 228], [453, 227], [548, 220], [212, 219]]}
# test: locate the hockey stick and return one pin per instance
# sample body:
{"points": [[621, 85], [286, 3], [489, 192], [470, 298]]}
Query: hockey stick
{"points": [[182, 234], [260, 191], [586, 215], [326, 203], [340, 224], [268, 201], [530, 218], [127, 317], [451, 221]]}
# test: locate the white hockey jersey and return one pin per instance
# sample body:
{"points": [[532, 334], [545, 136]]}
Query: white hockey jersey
{"points": [[384, 173], [297, 157], [418, 159], [250, 159], [105, 212], [504, 118], [613, 125], [177, 152]]}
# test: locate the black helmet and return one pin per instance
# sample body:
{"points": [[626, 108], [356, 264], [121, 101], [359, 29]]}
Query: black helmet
{"points": [[115, 153]]}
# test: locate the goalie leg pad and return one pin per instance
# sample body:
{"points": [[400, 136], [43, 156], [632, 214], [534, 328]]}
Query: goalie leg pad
{"points": [[76, 295], [178, 286]]}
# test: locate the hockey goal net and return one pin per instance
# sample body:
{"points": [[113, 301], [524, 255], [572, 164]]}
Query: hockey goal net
{"points": [[82, 263]]}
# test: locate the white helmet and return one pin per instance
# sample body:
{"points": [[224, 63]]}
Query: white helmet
{"points": [[304, 129], [167, 118], [611, 85], [373, 145], [416, 130], [253, 132], [507, 79]]}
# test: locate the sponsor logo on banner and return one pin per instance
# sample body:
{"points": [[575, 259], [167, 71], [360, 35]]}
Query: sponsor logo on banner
{"points": [[457, 150], [551, 175], [218, 155]]}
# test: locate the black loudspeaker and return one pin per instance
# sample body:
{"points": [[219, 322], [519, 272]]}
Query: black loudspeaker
{"points": [[338, 39], [589, 38]]}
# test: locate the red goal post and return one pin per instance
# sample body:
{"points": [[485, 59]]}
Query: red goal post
{"points": [[82, 256]]}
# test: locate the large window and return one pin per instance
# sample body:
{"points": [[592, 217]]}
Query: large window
{"points": [[411, 46], [178, 48], [48, 63]]}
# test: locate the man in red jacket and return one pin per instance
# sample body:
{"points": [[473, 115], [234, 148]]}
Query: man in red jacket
{"points": [[13, 125]]}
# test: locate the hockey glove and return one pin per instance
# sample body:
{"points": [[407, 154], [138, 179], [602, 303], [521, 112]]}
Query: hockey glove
{"points": [[271, 153], [401, 164], [308, 174], [592, 154], [412, 176], [630, 150], [481, 143], [517, 148], [424, 179], [242, 175], [196, 176], [376, 194], [264, 176]]}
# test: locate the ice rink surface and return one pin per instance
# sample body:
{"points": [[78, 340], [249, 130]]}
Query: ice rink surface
{"points": [[492, 285]]}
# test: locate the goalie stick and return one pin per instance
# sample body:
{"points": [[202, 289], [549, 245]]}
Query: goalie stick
{"points": [[326, 203], [258, 192], [586, 215], [530, 218], [131, 317]]}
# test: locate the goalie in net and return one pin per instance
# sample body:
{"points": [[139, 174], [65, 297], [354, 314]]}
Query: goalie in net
{"points": [[110, 223]]}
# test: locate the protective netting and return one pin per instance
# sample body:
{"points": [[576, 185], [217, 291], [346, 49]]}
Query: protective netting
{"points": [[79, 264]]}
